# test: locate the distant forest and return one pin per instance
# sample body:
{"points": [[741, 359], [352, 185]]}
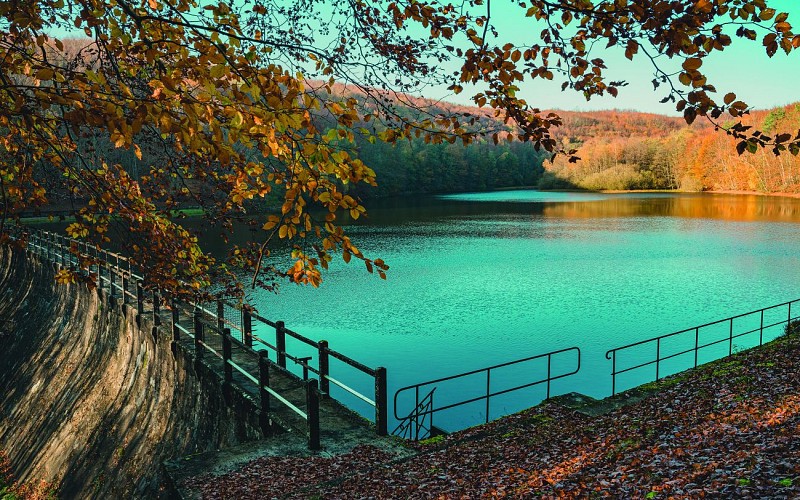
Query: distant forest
{"points": [[663, 153], [619, 150], [419, 168]]}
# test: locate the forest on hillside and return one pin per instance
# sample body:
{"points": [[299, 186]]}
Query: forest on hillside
{"points": [[671, 155], [618, 150]]}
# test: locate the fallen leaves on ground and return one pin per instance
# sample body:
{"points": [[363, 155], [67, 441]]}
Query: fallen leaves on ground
{"points": [[729, 429]]}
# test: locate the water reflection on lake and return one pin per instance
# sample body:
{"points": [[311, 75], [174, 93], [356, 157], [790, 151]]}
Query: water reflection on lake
{"points": [[480, 279]]}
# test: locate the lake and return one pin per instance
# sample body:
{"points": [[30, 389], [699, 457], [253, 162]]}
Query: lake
{"points": [[481, 279]]}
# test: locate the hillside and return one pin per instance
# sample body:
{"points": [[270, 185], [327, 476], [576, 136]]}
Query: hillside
{"points": [[618, 150], [660, 153]]}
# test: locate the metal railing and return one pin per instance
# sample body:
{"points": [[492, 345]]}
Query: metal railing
{"points": [[414, 424], [278, 346], [691, 337], [115, 275]]}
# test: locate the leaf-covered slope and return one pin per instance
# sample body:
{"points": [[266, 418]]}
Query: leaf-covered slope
{"points": [[728, 429]]}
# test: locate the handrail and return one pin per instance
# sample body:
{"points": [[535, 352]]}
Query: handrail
{"points": [[420, 412], [412, 424], [114, 272], [611, 354]]}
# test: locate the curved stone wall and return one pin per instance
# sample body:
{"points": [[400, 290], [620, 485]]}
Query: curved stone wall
{"points": [[90, 401]]}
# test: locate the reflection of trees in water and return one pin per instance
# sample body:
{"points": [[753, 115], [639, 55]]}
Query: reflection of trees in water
{"points": [[711, 206]]}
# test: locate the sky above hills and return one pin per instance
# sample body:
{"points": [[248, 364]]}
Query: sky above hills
{"points": [[743, 68]]}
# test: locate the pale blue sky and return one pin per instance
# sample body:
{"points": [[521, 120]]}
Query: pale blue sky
{"points": [[743, 68]]}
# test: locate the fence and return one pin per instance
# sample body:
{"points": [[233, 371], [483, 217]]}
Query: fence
{"points": [[692, 341], [420, 420], [116, 275], [681, 349]]}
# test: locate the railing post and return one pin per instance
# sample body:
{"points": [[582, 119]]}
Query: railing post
{"points": [[176, 333], [488, 391], [324, 367], [263, 382], [381, 406], [789, 321], [139, 298], [156, 309], [247, 328], [415, 413], [696, 344], [227, 353], [198, 338], [280, 343], [549, 357], [99, 276], [312, 412], [112, 291], [613, 372], [658, 355], [304, 361], [220, 315], [730, 339], [761, 330], [124, 288]]}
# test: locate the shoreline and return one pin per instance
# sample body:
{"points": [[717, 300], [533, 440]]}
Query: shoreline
{"points": [[781, 194], [678, 191], [46, 218]]}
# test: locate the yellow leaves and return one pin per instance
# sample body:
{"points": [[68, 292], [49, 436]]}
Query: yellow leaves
{"points": [[237, 120], [287, 231], [77, 230], [272, 221], [767, 14], [273, 144], [118, 139], [66, 277], [165, 122]]}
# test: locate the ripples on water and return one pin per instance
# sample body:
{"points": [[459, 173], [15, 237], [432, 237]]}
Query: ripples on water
{"points": [[477, 280]]}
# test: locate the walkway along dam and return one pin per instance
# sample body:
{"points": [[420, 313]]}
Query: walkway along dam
{"points": [[100, 387]]}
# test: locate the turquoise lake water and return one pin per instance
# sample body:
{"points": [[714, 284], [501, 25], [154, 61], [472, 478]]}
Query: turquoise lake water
{"points": [[481, 279]]}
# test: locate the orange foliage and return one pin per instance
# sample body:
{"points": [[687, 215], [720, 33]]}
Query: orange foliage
{"points": [[628, 150]]}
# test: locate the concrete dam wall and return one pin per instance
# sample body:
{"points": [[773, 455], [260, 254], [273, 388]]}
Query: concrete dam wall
{"points": [[89, 400]]}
